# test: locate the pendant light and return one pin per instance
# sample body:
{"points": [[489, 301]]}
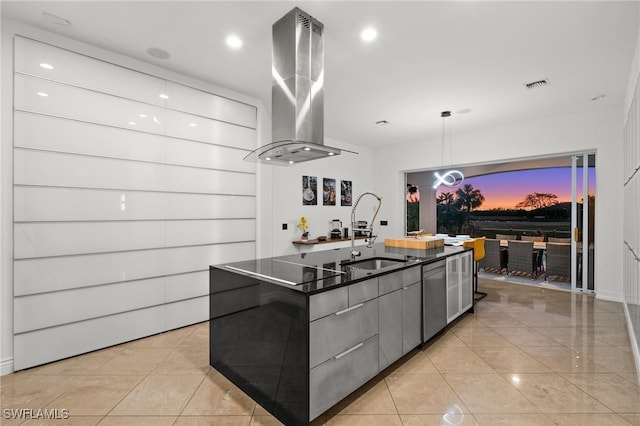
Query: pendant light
{"points": [[451, 178]]}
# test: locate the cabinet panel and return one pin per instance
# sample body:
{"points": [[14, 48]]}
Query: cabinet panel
{"points": [[411, 317], [411, 275], [466, 281], [390, 333], [57, 99], [390, 282], [33, 203], [198, 102], [459, 284], [58, 239], [72, 68], [328, 302], [363, 291], [453, 288], [51, 309], [342, 330], [56, 169], [67, 272], [76, 338], [434, 299], [338, 377], [59, 134], [193, 127]]}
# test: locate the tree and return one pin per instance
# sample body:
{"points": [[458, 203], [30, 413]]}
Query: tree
{"points": [[538, 200], [446, 199], [469, 198]]}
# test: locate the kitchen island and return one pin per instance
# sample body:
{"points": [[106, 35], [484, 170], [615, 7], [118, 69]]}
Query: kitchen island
{"points": [[299, 333]]}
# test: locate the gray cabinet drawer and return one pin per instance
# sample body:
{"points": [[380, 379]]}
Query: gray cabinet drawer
{"points": [[323, 304], [336, 378], [411, 275], [333, 334], [363, 291], [390, 282], [397, 280]]}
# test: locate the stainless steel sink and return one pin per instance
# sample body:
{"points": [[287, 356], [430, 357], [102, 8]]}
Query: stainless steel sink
{"points": [[375, 263]]}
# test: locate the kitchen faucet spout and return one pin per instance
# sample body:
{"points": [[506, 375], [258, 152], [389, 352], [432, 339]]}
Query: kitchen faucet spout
{"points": [[368, 229]]}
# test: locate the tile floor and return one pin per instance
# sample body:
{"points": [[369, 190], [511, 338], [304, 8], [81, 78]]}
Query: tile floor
{"points": [[528, 356]]}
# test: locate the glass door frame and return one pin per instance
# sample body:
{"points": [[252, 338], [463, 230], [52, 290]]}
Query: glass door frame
{"points": [[585, 258]]}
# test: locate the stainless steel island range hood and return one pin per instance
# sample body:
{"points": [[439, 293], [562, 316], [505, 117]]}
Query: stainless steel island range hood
{"points": [[297, 93]]}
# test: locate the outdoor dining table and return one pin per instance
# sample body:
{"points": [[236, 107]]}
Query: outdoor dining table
{"points": [[537, 245]]}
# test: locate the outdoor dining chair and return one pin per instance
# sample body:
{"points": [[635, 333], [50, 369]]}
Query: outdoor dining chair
{"points": [[558, 260], [495, 257], [522, 257]]}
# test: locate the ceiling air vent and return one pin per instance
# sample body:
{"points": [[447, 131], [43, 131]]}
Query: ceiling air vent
{"points": [[535, 84]]}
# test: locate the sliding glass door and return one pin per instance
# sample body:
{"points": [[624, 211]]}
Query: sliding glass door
{"points": [[582, 222]]}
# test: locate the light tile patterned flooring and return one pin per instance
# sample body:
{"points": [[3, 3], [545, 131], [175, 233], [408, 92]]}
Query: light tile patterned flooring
{"points": [[528, 356]]}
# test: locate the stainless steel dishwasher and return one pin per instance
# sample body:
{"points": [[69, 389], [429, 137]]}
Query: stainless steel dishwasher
{"points": [[434, 298]]}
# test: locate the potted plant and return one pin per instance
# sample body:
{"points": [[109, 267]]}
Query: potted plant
{"points": [[303, 225]]}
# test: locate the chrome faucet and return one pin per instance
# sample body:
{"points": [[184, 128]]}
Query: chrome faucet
{"points": [[369, 229]]}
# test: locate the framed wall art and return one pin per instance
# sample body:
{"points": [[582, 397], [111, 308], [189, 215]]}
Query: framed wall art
{"points": [[346, 188], [328, 192], [309, 190]]}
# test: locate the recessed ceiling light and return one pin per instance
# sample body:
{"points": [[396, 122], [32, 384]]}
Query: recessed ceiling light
{"points": [[192, 124], [233, 41], [44, 95], [290, 161], [306, 148], [369, 34], [46, 66], [158, 53], [142, 115], [56, 19], [382, 122], [330, 153], [268, 158], [163, 96], [133, 123]]}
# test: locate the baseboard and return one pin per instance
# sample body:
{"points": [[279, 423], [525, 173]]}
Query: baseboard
{"points": [[610, 297], [6, 366], [634, 342]]}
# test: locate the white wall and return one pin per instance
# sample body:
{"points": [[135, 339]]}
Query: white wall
{"points": [[596, 129], [283, 197]]}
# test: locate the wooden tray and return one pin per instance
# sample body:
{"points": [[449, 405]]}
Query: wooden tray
{"points": [[422, 243]]}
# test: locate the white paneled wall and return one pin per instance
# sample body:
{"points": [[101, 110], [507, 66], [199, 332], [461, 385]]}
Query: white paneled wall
{"points": [[126, 188], [631, 259]]}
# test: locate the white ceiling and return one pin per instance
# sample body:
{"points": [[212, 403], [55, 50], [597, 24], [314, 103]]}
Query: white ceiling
{"points": [[429, 56]]}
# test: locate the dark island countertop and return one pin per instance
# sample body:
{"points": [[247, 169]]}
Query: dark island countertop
{"points": [[322, 270]]}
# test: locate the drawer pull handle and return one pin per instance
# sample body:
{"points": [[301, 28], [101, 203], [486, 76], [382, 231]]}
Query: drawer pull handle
{"points": [[344, 311], [348, 351]]}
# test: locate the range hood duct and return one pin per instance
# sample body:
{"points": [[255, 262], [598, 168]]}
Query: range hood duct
{"points": [[297, 93]]}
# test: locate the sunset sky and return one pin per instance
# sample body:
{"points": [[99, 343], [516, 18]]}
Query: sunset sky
{"points": [[505, 190]]}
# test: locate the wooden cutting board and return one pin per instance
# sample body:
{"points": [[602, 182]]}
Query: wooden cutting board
{"points": [[422, 243]]}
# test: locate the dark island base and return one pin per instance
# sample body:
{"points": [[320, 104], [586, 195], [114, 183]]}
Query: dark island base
{"points": [[260, 342]]}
